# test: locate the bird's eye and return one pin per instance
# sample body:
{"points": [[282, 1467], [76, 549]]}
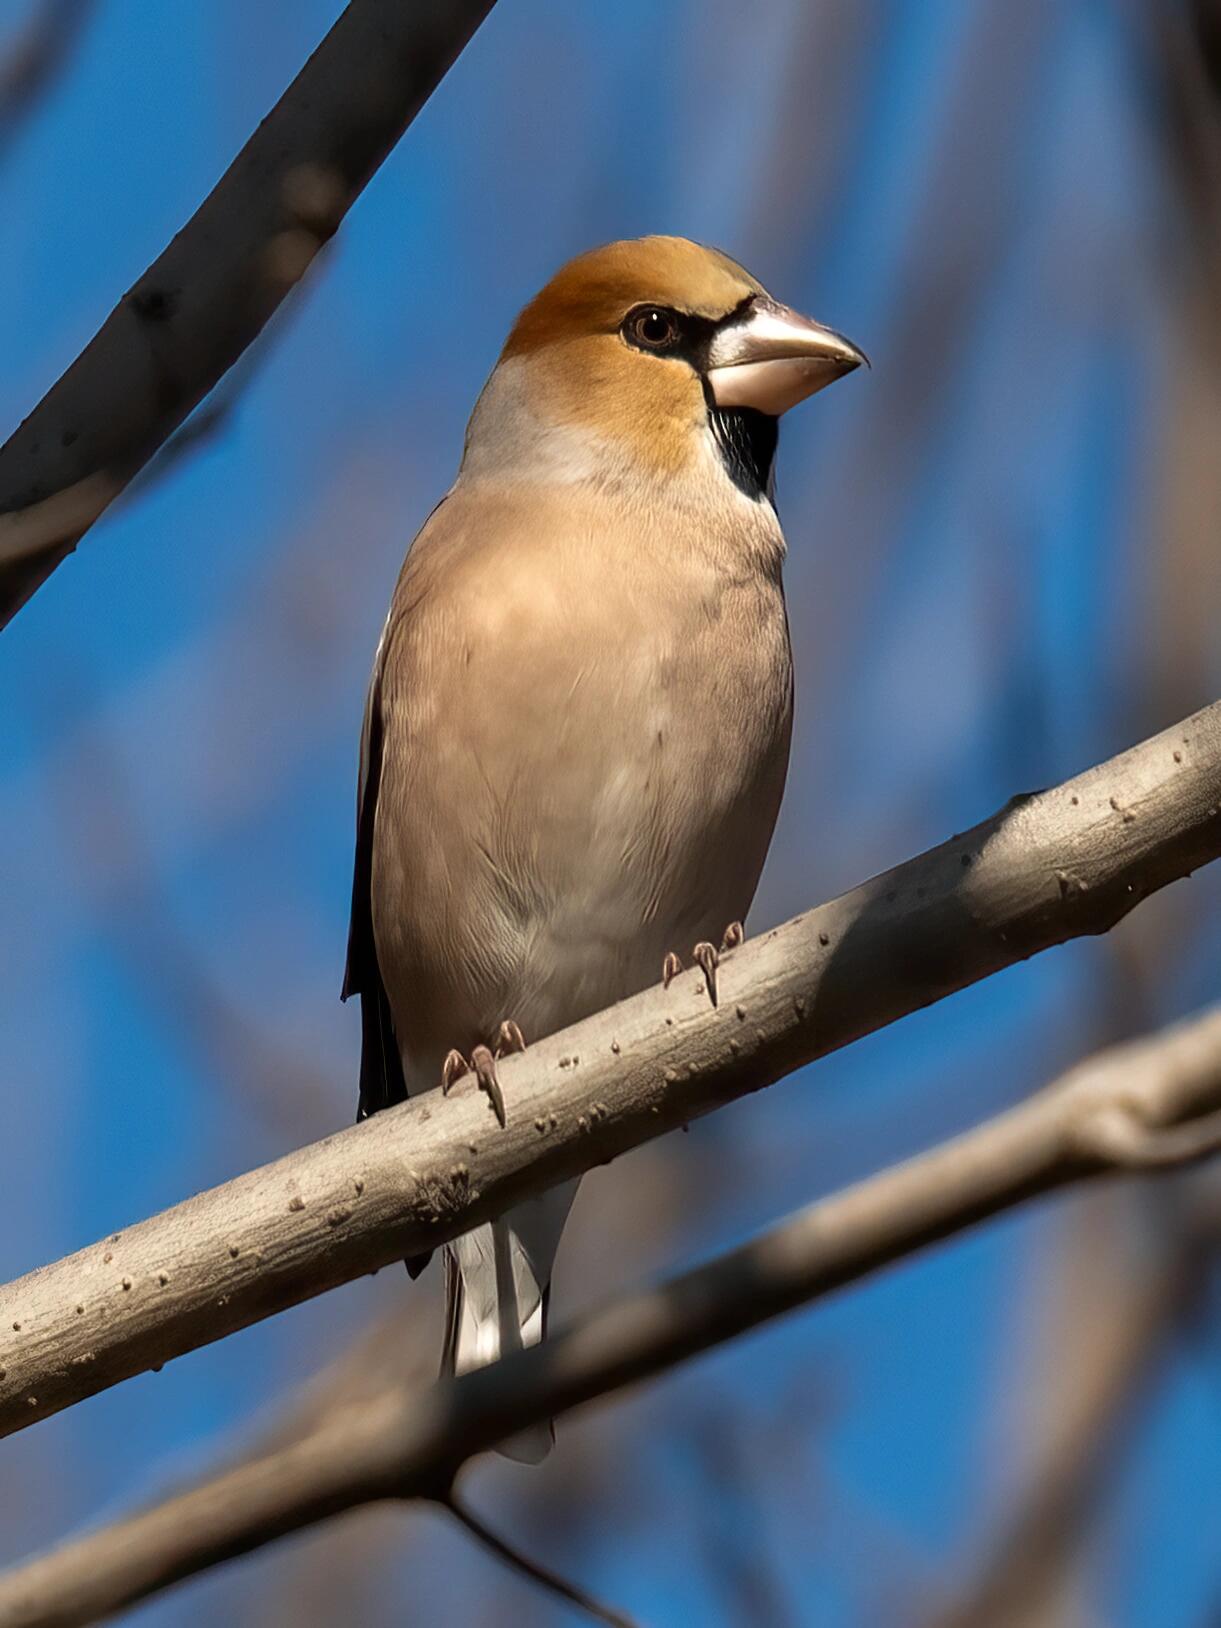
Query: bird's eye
{"points": [[652, 327]]}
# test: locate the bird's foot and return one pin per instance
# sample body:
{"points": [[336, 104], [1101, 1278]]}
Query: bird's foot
{"points": [[456, 1067], [484, 1064], [452, 1070], [708, 958], [509, 1038]]}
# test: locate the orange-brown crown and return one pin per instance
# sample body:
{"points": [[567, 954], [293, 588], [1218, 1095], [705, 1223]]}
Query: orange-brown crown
{"points": [[582, 371], [593, 293]]}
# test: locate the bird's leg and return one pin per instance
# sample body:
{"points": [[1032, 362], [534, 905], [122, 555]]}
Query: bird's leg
{"points": [[670, 969], [484, 1065], [708, 958]]}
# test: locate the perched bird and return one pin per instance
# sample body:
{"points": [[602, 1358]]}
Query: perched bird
{"points": [[577, 729]]}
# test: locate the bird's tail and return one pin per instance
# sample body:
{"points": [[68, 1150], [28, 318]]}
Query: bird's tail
{"points": [[497, 1285]]}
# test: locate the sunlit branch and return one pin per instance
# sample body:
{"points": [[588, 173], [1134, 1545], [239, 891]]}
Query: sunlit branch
{"points": [[412, 1444], [1047, 868]]}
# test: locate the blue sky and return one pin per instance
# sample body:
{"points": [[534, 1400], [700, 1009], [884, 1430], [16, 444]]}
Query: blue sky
{"points": [[982, 572]]}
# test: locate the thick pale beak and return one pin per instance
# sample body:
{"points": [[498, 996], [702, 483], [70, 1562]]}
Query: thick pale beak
{"points": [[771, 358]]}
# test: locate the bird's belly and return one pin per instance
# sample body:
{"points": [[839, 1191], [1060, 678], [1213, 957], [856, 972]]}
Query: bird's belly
{"points": [[547, 857], [626, 892]]}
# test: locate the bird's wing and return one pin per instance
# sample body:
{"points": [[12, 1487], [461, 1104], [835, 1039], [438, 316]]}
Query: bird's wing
{"points": [[381, 1068]]}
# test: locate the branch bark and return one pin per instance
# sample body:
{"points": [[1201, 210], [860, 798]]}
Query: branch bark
{"points": [[404, 1444], [1047, 868], [208, 296]]}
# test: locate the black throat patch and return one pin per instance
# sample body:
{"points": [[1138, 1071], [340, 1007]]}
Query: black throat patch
{"points": [[745, 437], [746, 440]]}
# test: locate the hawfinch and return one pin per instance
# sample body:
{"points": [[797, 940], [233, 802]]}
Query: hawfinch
{"points": [[577, 728]]}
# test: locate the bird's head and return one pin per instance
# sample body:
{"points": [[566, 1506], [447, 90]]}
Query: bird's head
{"points": [[640, 355]]}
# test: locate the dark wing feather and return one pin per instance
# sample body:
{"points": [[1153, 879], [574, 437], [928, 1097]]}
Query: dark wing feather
{"points": [[381, 1069]]}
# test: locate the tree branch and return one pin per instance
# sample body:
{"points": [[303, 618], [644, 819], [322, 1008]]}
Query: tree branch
{"points": [[541, 1576], [208, 296], [404, 1444], [1047, 868], [34, 60], [1022, 1571]]}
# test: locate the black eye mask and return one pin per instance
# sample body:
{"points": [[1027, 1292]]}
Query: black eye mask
{"points": [[745, 438]]}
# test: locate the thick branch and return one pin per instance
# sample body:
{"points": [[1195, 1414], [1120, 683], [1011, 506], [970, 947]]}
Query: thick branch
{"points": [[207, 297], [406, 1444], [1047, 868]]}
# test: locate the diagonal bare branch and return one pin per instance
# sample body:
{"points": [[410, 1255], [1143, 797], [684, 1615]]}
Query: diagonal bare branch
{"points": [[210, 293], [413, 1445], [1047, 868]]}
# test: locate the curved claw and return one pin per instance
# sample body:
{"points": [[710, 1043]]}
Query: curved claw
{"points": [[707, 960], [509, 1038], [734, 935], [670, 969], [484, 1065], [452, 1070]]}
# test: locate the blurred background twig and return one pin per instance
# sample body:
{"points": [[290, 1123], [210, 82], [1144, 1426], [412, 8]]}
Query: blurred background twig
{"points": [[1003, 566], [31, 57]]}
